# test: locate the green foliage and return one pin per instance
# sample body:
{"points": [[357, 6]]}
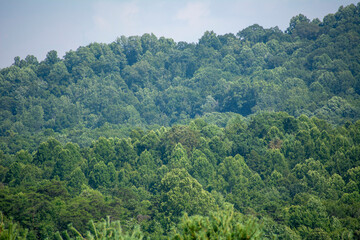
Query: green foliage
{"points": [[76, 181], [299, 175], [182, 193], [138, 81], [145, 129], [104, 229], [179, 158], [102, 175], [10, 230], [224, 224]]}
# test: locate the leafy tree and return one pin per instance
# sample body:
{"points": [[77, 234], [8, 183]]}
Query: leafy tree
{"points": [[182, 193], [104, 150], [235, 172], [102, 175], [13, 175], [76, 181], [46, 151], [179, 158], [52, 57], [10, 230], [124, 153], [67, 160], [202, 169], [222, 224], [188, 138]]}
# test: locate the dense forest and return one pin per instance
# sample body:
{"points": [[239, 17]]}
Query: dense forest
{"points": [[247, 136]]}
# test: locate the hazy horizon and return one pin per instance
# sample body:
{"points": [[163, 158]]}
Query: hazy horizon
{"points": [[39, 26]]}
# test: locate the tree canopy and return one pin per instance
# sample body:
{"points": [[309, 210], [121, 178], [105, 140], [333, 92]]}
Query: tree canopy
{"points": [[254, 135]]}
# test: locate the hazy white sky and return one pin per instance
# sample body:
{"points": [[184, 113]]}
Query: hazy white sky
{"points": [[34, 27]]}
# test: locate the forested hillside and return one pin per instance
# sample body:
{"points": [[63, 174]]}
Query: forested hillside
{"points": [[260, 129], [312, 69], [298, 177]]}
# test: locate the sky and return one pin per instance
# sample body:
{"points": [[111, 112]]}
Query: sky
{"points": [[35, 27]]}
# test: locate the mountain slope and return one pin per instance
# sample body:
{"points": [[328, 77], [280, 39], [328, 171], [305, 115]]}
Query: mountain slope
{"points": [[312, 69]]}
